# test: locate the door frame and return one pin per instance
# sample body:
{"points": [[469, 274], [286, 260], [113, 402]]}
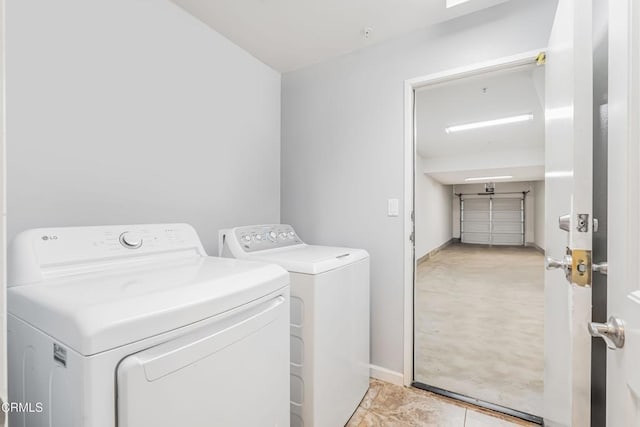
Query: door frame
{"points": [[3, 220], [410, 85], [624, 191]]}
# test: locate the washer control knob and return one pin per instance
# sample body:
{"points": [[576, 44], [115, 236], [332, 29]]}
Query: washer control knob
{"points": [[283, 235], [273, 235], [131, 239], [258, 236], [246, 238], [292, 234]]}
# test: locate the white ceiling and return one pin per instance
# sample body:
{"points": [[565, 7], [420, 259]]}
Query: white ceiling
{"points": [[518, 173], [515, 149], [291, 34]]}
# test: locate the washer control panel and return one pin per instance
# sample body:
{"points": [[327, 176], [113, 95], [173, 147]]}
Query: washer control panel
{"points": [[261, 237]]}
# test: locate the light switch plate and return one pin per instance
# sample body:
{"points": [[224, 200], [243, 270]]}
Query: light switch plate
{"points": [[393, 207]]}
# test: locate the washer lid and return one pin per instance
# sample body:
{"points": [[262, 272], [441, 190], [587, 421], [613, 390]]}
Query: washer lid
{"points": [[310, 259], [95, 312]]}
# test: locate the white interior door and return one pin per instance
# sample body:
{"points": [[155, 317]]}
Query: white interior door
{"points": [[568, 115], [623, 290]]}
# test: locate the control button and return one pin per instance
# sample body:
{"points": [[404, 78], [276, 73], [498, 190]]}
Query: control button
{"points": [[131, 239], [283, 235], [292, 234], [273, 235], [258, 236], [246, 238]]}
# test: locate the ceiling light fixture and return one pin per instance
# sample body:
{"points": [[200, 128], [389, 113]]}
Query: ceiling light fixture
{"points": [[452, 3], [487, 123], [489, 178]]}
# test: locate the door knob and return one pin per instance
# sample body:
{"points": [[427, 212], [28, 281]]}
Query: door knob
{"points": [[602, 268], [611, 332], [564, 264], [553, 263]]}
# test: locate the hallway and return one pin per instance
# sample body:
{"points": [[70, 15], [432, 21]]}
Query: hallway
{"points": [[479, 328]]}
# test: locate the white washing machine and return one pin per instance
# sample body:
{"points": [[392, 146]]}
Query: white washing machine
{"points": [[329, 319], [134, 326]]}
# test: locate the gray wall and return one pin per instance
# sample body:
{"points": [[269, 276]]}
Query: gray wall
{"points": [[433, 211], [342, 143], [132, 111]]}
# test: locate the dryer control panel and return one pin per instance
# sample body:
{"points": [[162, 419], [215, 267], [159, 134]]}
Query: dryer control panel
{"points": [[255, 238], [53, 252]]}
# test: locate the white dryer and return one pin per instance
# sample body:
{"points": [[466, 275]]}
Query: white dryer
{"points": [[329, 319], [135, 326]]}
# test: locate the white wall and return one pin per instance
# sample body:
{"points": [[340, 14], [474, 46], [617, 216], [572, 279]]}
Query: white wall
{"points": [[3, 225], [501, 187], [539, 194], [342, 146], [132, 111], [433, 214]]}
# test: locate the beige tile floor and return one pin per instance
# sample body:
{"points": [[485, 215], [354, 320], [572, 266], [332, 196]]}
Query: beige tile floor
{"points": [[479, 324], [388, 405]]}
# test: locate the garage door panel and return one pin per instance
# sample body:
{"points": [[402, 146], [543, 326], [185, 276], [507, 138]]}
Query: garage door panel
{"points": [[507, 239], [476, 204], [476, 216], [496, 221], [507, 216], [476, 238], [507, 204], [477, 227], [507, 227]]}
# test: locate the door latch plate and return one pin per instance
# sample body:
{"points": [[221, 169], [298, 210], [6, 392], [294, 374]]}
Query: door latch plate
{"points": [[581, 267]]}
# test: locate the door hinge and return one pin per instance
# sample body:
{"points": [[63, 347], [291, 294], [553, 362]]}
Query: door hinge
{"points": [[412, 237]]}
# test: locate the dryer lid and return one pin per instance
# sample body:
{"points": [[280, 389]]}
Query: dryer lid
{"points": [[95, 312], [310, 259]]}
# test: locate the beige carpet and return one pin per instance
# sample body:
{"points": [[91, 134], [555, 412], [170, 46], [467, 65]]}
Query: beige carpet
{"points": [[479, 324]]}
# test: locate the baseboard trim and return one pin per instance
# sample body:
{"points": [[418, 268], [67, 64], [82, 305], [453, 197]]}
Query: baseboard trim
{"points": [[434, 251], [534, 246], [386, 375]]}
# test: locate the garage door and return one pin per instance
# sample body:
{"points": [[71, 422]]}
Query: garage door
{"points": [[492, 220]]}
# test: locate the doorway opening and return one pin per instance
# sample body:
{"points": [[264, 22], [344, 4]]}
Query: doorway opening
{"points": [[477, 271]]}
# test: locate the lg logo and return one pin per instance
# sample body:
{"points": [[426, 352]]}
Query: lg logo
{"points": [[45, 238]]}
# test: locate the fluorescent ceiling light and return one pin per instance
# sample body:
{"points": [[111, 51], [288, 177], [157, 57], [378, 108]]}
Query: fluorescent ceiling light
{"points": [[559, 174], [487, 123], [452, 3], [489, 178]]}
